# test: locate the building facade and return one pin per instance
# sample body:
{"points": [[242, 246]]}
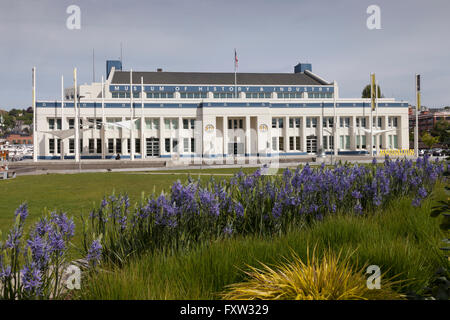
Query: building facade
{"points": [[144, 115]]}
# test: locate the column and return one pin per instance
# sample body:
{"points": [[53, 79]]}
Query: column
{"points": [[180, 137], [320, 135], [285, 133], [162, 149], [336, 132], [225, 136], [384, 125], [247, 136], [303, 130], [352, 131]]}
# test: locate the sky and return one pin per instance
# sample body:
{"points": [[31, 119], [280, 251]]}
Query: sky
{"points": [[201, 35]]}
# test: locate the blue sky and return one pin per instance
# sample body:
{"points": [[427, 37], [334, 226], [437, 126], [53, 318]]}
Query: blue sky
{"points": [[200, 35]]}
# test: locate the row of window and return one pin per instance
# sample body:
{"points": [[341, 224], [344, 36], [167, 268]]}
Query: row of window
{"points": [[222, 95], [153, 123], [114, 146]]}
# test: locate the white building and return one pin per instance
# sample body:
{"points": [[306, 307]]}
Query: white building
{"points": [[189, 114]]}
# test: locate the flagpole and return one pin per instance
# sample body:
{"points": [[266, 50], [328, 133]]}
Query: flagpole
{"points": [[77, 121], [131, 116], [377, 144], [35, 146], [416, 128], [103, 127], [62, 116], [235, 70], [372, 106]]}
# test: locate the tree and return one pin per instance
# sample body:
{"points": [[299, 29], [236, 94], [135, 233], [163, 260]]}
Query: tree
{"points": [[429, 140], [366, 92], [441, 130]]}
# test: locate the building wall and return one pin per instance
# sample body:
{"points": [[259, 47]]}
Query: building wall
{"points": [[212, 134]]}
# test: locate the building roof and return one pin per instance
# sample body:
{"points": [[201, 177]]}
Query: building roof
{"points": [[214, 78]]}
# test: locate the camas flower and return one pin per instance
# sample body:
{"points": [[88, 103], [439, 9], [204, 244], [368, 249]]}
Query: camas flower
{"points": [[94, 253]]}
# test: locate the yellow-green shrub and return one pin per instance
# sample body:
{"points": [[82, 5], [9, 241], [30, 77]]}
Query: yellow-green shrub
{"points": [[331, 278]]}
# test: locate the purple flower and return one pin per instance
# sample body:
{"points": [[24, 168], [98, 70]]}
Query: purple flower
{"points": [[31, 278], [356, 194], [358, 208], [228, 230], [94, 253], [22, 211]]}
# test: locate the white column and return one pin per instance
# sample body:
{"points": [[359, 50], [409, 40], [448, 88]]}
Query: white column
{"points": [[303, 130], [285, 133], [352, 131], [225, 136], [162, 147], [180, 137], [247, 136], [320, 135]]}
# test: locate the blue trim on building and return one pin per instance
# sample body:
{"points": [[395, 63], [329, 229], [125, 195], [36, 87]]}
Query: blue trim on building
{"points": [[223, 104]]}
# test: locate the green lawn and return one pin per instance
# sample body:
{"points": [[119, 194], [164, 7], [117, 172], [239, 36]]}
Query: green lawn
{"points": [[77, 193]]}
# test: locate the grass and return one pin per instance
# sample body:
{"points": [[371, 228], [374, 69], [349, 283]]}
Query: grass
{"points": [[403, 241], [77, 193]]}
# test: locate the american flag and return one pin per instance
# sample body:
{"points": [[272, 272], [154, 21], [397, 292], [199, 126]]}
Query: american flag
{"points": [[235, 59]]}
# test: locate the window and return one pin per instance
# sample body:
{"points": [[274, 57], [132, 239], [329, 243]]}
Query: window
{"points": [[71, 146], [99, 145], [148, 123], [258, 95], [159, 95], [235, 124], [294, 143], [129, 146], [51, 145], [137, 145], [344, 122], [175, 145], [167, 145], [188, 123], [192, 144], [281, 143], [311, 122], [81, 145], [58, 124], [223, 95], [186, 144], [320, 95], [51, 124], [289, 95], [193, 95], [274, 143], [115, 94], [91, 146], [294, 122], [110, 145], [277, 123], [395, 142], [118, 146]]}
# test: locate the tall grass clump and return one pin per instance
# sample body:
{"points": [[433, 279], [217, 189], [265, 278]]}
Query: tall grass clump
{"points": [[332, 277], [253, 204]]}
